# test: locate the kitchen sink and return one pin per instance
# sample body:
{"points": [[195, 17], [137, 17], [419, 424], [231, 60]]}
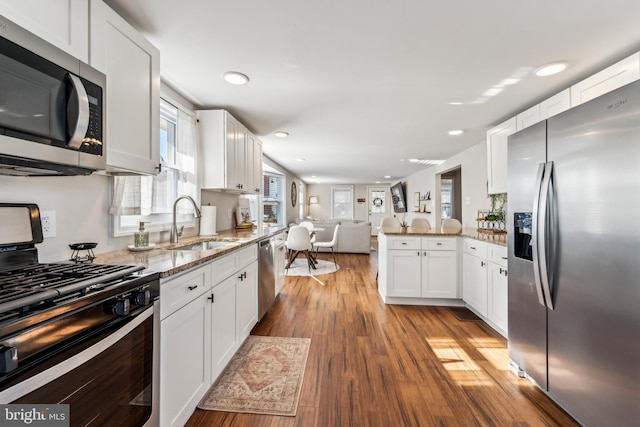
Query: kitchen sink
{"points": [[203, 246]]}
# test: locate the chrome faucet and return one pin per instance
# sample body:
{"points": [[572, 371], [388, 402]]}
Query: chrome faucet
{"points": [[174, 229]]}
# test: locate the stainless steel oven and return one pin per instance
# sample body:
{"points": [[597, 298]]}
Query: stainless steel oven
{"points": [[85, 334]]}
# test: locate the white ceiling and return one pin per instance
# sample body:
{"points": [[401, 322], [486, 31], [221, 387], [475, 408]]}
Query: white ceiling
{"points": [[361, 85]]}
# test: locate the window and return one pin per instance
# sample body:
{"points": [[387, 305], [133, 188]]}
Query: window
{"points": [[151, 198], [272, 191], [342, 202]]}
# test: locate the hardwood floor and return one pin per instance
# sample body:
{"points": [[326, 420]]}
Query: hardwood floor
{"points": [[372, 364]]}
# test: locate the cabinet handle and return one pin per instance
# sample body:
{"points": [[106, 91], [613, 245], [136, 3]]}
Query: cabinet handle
{"points": [[505, 258], [404, 243], [192, 287], [212, 298], [482, 264], [472, 247], [438, 244], [425, 253]]}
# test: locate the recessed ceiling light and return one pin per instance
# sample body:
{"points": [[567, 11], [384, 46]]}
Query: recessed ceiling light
{"points": [[456, 103], [550, 69], [235, 78], [377, 182], [387, 176], [301, 160], [456, 132], [426, 162], [281, 134]]}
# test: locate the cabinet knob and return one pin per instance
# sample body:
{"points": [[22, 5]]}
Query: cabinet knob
{"points": [[482, 264]]}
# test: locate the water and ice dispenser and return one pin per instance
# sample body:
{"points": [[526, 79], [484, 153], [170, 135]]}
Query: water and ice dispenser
{"points": [[522, 235]]}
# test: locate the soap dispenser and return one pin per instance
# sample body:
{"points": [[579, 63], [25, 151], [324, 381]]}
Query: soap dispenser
{"points": [[141, 237]]}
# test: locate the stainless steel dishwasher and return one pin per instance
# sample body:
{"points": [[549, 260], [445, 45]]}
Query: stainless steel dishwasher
{"points": [[266, 276]]}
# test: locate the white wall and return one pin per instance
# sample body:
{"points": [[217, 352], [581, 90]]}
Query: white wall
{"points": [[81, 204], [473, 164], [322, 210]]}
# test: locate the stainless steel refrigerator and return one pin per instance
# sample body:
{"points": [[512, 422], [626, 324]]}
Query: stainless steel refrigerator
{"points": [[574, 257]]}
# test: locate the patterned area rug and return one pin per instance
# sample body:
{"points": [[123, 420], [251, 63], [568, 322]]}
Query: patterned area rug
{"points": [[264, 377], [300, 268]]}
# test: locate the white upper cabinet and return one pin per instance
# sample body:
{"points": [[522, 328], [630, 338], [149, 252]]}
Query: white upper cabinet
{"points": [[254, 164], [231, 156], [497, 139], [528, 117], [132, 67], [555, 105], [613, 77], [63, 23]]}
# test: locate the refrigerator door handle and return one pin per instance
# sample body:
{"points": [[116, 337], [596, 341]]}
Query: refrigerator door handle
{"points": [[534, 233], [542, 255]]}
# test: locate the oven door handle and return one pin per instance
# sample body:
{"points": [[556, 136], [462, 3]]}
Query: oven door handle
{"points": [[45, 377]]}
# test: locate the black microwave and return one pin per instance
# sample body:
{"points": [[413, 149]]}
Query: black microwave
{"points": [[52, 108]]}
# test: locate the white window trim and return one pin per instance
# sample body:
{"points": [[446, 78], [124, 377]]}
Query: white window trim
{"points": [[349, 188], [161, 222]]}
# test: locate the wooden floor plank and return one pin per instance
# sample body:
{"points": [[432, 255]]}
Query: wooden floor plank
{"points": [[373, 365]]}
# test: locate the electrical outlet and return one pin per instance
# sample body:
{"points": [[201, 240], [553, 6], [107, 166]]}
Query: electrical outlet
{"points": [[48, 219]]}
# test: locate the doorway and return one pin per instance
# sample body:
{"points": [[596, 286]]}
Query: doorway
{"points": [[451, 194], [378, 206]]}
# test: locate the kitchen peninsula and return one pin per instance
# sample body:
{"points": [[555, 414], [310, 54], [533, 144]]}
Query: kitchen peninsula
{"points": [[466, 268]]}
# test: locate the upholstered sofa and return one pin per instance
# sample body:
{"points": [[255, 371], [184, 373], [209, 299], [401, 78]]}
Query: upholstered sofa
{"points": [[354, 236]]}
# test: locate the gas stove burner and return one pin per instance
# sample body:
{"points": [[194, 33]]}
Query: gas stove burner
{"points": [[77, 247]]}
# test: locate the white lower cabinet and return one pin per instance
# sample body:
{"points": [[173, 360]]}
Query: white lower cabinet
{"points": [[206, 314], [279, 258], [247, 299], [418, 267], [474, 275], [498, 288], [485, 283], [404, 275], [224, 330], [185, 344], [185, 371]]}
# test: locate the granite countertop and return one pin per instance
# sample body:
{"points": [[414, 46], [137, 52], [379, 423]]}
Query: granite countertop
{"points": [[167, 262], [497, 239]]}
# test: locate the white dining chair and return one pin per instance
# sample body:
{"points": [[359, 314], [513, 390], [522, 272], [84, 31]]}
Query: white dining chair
{"points": [[331, 244], [451, 225], [298, 241], [421, 224], [309, 226]]}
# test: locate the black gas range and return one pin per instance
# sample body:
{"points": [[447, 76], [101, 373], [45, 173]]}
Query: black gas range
{"points": [[53, 312]]}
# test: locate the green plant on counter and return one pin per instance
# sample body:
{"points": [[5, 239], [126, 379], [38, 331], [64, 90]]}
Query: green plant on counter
{"points": [[497, 206]]}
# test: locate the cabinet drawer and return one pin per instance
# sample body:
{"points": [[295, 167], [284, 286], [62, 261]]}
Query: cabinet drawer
{"points": [[475, 247], [177, 292], [448, 244], [404, 243], [498, 255], [247, 255], [223, 267]]}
